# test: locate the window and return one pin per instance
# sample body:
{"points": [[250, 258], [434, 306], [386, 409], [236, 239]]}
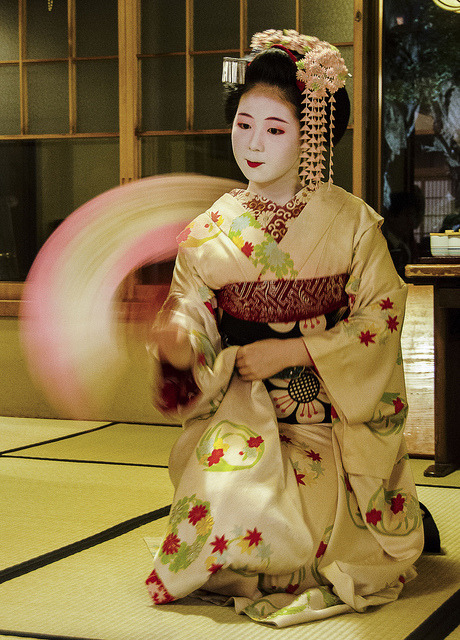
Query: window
{"points": [[58, 118], [98, 93], [420, 144]]}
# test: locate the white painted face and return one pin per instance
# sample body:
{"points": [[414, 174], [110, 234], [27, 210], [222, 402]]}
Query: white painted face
{"points": [[266, 138]]}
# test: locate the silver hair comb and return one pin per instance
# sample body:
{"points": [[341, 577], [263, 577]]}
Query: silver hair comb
{"points": [[234, 70]]}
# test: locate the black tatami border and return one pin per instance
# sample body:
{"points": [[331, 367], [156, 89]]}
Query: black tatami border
{"points": [[107, 462], [441, 622], [82, 433], [39, 636], [66, 437], [82, 545]]}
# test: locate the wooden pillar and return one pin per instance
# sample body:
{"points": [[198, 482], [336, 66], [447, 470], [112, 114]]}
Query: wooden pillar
{"points": [[129, 39]]}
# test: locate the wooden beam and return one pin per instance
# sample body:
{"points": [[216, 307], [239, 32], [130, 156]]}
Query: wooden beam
{"points": [[22, 24], [243, 27], [358, 104], [189, 75], [128, 38], [72, 50]]}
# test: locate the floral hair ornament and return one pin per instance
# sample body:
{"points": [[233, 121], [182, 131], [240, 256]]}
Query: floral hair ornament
{"points": [[321, 72]]}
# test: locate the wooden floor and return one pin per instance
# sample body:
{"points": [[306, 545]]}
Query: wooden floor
{"points": [[418, 353]]}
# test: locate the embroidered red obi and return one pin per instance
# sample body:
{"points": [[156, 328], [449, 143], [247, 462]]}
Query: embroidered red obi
{"points": [[283, 300]]}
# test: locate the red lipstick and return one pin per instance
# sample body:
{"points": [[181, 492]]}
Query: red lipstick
{"points": [[254, 164]]}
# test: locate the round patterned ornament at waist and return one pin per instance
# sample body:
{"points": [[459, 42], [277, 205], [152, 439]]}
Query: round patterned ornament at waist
{"points": [[305, 388]]}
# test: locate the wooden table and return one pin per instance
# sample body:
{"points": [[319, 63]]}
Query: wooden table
{"points": [[444, 275]]}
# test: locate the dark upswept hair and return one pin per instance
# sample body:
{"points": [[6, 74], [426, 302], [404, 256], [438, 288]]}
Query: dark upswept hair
{"points": [[274, 67]]}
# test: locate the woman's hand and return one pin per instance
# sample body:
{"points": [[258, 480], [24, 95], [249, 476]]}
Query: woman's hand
{"points": [[265, 358], [174, 347], [171, 339]]}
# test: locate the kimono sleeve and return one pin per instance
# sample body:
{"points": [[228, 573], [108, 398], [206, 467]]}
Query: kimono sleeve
{"points": [[360, 362], [192, 306]]}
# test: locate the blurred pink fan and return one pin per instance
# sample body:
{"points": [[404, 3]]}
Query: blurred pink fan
{"points": [[68, 317]]}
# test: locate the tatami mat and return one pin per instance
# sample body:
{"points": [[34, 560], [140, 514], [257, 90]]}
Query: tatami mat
{"points": [[418, 467], [140, 444], [100, 594], [22, 432], [51, 504], [119, 443]]}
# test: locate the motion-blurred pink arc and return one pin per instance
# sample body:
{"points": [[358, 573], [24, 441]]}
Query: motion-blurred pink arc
{"points": [[68, 323]]}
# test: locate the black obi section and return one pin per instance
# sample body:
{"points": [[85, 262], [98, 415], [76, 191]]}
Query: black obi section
{"points": [[234, 331]]}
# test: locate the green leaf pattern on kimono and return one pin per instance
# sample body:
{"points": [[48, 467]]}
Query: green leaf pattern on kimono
{"points": [[176, 552], [352, 505], [320, 553], [393, 513], [265, 609], [390, 415], [227, 445], [266, 253]]}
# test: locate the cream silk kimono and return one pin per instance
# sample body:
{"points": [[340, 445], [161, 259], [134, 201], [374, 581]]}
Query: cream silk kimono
{"points": [[293, 496]]}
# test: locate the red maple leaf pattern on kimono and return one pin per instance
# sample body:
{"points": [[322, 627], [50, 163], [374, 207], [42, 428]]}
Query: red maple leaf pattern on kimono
{"points": [[247, 248], [214, 568], [386, 304], [292, 588], [314, 456], [220, 544], [254, 537], [367, 337], [299, 477], [392, 323]]}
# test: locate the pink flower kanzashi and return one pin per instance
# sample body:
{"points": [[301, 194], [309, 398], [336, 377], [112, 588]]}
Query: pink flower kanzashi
{"points": [[322, 67]]}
